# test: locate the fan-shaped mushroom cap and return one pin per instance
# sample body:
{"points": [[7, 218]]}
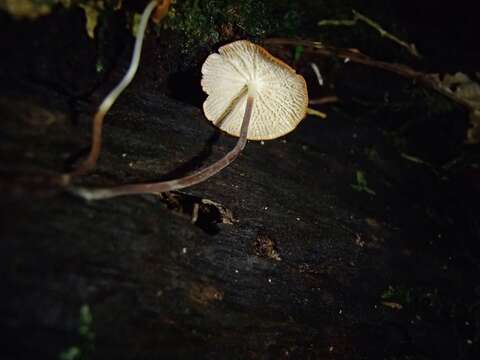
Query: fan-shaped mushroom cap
{"points": [[242, 68]]}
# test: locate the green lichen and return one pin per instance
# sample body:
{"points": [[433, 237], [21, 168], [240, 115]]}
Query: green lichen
{"points": [[86, 337], [72, 353], [203, 24], [362, 184], [420, 299], [399, 294]]}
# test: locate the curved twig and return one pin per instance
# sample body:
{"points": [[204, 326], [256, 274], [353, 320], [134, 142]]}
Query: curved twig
{"points": [[89, 163], [189, 180], [428, 80]]}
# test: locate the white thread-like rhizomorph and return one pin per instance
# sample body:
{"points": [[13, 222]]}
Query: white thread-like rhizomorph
{"points": [[246, 85], [241, 69]]}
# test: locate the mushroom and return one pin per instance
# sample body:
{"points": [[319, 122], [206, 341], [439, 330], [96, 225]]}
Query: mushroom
{"points": [[251, 95], [243, 70]]}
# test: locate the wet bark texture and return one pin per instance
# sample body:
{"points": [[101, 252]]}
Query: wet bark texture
{"points": [[284, 260]]}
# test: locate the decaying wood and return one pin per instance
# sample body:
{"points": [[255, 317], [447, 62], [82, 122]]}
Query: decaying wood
{"points": [[158, 284], [276, 257]]}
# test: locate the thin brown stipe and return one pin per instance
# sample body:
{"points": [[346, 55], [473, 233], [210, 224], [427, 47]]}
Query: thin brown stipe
{"points": [[189, 180]]}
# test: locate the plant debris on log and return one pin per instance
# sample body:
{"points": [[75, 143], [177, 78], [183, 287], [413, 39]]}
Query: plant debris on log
{"points": [[353, 237]]}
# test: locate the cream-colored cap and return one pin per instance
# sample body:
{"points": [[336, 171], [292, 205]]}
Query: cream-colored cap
{"points": [[242, 68]]}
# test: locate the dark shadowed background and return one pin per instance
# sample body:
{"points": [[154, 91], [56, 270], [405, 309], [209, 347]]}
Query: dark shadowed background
{"points": [[354, 237]]}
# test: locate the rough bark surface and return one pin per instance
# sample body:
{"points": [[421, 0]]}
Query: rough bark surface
{"points": [[285, 259]]}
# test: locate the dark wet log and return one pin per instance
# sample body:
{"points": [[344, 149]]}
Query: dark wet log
{"points": [[276, 257], [298, 267]]}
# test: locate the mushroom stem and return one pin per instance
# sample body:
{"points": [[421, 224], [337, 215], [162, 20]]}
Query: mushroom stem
{"points": [[89, 163], [189, 180]]}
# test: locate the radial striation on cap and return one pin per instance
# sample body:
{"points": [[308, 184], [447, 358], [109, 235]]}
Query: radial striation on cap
{"points": [[242, 68]]}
